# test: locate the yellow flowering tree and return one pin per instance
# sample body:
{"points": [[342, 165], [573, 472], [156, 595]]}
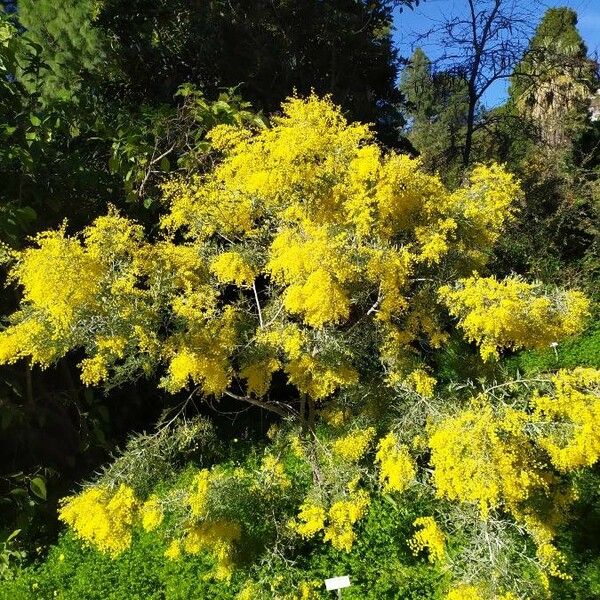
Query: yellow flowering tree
{"points": [[306, 248], [310, 256]]}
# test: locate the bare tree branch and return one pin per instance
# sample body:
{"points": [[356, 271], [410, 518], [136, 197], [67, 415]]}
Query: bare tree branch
{"points": [[483, 47]]}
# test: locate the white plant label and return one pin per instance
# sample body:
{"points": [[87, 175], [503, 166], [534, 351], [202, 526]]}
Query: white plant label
{"points": [[337, 583]]}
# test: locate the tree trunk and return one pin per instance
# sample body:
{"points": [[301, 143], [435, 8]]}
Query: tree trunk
{"points": [[470, 128]]}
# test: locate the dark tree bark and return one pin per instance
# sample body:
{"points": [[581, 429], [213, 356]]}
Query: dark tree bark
{"points": [[483, 46]]}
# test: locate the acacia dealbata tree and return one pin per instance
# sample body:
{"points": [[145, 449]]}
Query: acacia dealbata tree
{"points": [[311, 274], [102, 100]]}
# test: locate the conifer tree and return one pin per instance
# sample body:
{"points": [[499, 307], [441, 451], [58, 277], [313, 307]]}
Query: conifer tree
{"points": [[554, 82], [437, 109]]}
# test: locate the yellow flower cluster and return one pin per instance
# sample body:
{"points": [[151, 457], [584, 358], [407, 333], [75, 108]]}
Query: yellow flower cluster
{"points": [[429, 537], [390, 270], [82, 292], [472, 592], [552, 560], [217, 537], [342, 515], [484, 206], [258, 375], [311, 519], [230, 267], [396, 468], [273, 473], [106, 520], [335, 416], [421, 382], [464, 592], [151, 514], [102, 518], [435, 242], [26, 339], [512, 313], [477, 457], [203, 356], [225, 137], [59, 277], [314, 264], [574, 413], [352, 446], [174, 550], [250, 591], [94, 370], [337, 522], [309, 590], [317, 379], [198, 494]]}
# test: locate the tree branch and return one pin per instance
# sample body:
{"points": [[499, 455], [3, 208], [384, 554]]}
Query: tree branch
{"points": [[270, 406]]}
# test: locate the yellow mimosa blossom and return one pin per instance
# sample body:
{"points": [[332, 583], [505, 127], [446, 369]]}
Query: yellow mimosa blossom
{"points": [[272, 469], [512, 313], [311, 519], [151, 514], [352, 446], [346, 241], [258, 375], [476, 459], [317, 379], [464, 592], [93, 370], [553, 560], [421, 382], [250, 591], [574, 413], [199, 492], [102, 518], [217, 537], [230, 267], [396, 468], [429, 536], [173, 551], [342, 515]]}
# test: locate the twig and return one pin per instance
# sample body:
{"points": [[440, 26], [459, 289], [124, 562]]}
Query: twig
{"points": [[260, 319]]}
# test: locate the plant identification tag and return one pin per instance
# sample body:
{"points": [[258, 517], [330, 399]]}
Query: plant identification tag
{"points": [[337, 583]]}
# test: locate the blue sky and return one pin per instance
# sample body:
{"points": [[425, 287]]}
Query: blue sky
{"points": [[411, 22]]}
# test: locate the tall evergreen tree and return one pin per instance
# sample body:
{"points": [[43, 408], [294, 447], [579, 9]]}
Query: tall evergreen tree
{"points": [[554, 82], [437, 109], [143, 50], [552, 146]]}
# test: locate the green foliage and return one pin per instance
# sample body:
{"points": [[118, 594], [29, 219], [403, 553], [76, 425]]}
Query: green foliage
{"points": [[150, 458], [581, 351], [141, 51], [73, 48], [9, 556], [381, 566], [460, 361], [155, 142], [437, 106], [547, 139]]}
